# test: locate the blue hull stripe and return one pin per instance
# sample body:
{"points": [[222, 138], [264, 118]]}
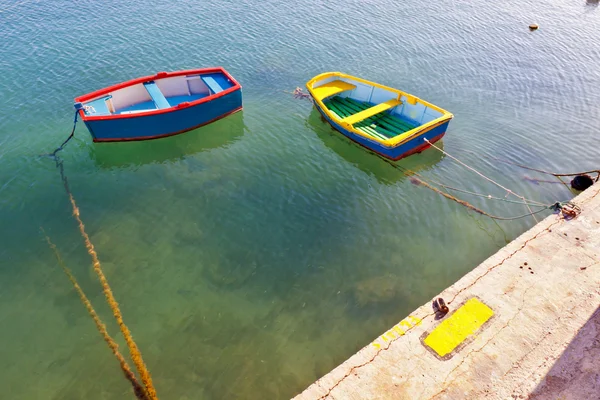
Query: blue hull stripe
{"points": [[167, 123]]}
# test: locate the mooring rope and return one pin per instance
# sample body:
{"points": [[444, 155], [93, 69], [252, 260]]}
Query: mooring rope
{"points": [[490, 197], [299, 94], [136, 355], [508, 191], [556, 174], [62, 146], [567, 209], [138, 389], [418, 181], [473, 169], [134, 351]]}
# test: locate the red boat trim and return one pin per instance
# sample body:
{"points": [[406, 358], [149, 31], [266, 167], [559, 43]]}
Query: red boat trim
{"points": [[159, 75], [422, 147], [138, 138]]}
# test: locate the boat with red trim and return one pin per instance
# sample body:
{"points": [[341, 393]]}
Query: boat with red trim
{"points": [[159, 105], [388, 121]]}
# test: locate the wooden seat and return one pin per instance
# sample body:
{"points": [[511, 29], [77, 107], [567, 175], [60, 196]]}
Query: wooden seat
{"points": [[331, 88], [369, 112]]}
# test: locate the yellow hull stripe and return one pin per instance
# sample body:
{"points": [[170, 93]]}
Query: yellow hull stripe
{"points": [[453, 331]]}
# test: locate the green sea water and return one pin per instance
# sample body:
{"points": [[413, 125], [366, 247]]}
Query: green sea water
{"points": [[252, 256]]}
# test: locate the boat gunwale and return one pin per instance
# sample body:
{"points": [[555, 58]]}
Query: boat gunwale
{"points": [[391, 142], [160, 75]]}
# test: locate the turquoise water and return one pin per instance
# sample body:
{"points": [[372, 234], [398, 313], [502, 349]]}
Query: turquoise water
{"points": [[252, 256]]}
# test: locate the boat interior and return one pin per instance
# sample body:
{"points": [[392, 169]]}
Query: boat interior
{"points": [[157, 94], [375, 111]]}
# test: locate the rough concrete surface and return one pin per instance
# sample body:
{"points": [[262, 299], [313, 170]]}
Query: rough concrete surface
{"points": [[543, 341]]}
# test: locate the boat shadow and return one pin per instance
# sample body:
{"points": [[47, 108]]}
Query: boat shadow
{"points": [[218, 134], [366, 160]]}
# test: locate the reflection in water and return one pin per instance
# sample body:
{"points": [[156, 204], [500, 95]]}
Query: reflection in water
{"points": [[218, 134], [367, 161]]}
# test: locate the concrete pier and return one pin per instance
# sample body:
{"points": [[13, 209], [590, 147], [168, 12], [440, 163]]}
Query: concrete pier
{"points": [[525, 324]]}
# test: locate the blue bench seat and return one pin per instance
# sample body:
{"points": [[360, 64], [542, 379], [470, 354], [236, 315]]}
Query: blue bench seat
{"points": [[212, 84], [159, 99]]}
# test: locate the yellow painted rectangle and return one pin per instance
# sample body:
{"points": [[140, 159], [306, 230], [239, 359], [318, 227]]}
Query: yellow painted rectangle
{"points": [[369, 112], [331, 88], [459, 326]]}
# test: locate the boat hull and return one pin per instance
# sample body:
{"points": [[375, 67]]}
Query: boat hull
{"points": [[415, 145], [154, 126], [387, 121], [159, 105]]}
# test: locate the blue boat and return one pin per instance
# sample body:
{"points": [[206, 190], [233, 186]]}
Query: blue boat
{"points": [[387, 121], [160, 105]]}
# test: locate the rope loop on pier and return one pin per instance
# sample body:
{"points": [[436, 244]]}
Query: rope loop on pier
{"points": [[567, 209]]}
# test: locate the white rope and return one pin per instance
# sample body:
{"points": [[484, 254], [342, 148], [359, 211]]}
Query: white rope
{"points": [[508, 191]]}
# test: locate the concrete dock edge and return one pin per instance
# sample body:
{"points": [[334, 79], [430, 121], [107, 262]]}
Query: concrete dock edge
{"points": [[541, 339]]}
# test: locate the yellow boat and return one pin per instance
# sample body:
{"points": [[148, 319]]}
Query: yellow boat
{"points": [[387, 121]]}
